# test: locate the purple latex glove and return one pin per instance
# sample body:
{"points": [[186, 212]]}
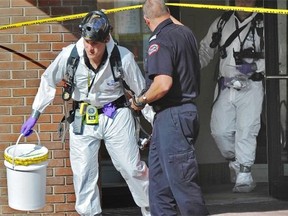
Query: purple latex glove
{"points": [[109, 110], [225, 82], [247, 68], [27, 127]]}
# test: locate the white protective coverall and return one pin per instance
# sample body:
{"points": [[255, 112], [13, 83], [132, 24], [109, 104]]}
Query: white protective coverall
{"points": [[235, 120], [117, 132]]}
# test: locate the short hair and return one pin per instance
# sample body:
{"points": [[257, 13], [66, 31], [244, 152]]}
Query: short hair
{"points": [[154, 8]]}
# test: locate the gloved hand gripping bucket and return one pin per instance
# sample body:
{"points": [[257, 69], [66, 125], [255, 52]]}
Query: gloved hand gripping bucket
{"points": [[26, 166]]}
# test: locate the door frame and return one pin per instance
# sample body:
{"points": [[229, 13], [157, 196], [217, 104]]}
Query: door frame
{"points": [[278, 183]]}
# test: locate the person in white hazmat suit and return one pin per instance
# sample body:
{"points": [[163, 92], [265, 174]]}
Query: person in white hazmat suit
{"points": [[96, 89], [236, 113]]}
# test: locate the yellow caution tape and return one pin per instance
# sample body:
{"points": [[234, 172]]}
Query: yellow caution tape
{"points": [[115, 10], [34, 22], [65, 18], [26, 161], [233, 8]]}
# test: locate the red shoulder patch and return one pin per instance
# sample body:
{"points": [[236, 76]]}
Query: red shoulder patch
{"points": [[153, 49]]}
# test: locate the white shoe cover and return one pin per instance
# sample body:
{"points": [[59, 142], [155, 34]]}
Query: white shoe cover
{"points": [[145, 211], [244, 183], [234, 167]]}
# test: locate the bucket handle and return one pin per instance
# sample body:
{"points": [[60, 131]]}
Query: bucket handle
{"points": [[13, 163]]}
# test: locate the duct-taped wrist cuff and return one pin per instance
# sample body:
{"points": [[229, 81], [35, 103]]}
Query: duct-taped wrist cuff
{"points": [[245, 169], [35, 114]]}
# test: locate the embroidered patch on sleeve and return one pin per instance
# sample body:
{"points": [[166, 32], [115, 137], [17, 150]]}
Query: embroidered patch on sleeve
{"points": [[153, 49]]}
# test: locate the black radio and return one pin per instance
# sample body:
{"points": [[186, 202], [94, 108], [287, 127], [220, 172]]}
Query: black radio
{"points": [[246, 53]]}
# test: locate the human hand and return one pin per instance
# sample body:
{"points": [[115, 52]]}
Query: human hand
{"points": [[27, 127], [247, 68], [135, 104], [109, 110]]}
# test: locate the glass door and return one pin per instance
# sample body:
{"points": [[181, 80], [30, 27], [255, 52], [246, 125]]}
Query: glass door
{"points": [[276, 99]]}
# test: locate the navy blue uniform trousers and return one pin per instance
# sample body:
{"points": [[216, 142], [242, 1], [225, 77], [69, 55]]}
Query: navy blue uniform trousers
{"points": [[173, 169]]}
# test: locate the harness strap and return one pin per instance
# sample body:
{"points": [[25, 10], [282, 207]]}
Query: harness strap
{"points": [[72, 64], [116, 66], [219, 83], [231, 38]]}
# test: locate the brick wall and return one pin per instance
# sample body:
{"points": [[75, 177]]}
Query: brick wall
{"points": [[24, 54]]}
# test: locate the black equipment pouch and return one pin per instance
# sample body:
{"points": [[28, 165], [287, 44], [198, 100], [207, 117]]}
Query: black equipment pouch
{"points": [[256, 77], [71, 116], [72, 64], [216, 36]]}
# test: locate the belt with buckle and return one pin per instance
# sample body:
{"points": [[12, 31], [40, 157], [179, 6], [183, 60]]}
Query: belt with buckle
{"points": [[119, 103]]}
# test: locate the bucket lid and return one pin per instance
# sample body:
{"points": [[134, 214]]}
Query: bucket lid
{"points": [[26, 154]]}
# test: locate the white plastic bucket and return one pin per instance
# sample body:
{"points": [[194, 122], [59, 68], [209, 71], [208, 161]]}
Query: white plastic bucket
{"points": [[26, 175]]}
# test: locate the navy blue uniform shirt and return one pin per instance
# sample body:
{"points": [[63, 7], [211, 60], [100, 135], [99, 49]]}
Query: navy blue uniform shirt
{"points": [[173, 51]]}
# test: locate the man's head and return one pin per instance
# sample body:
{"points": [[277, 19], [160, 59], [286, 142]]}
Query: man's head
{"points": [[154, 8], [154, 12], [245, 3], [95, 26]]}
